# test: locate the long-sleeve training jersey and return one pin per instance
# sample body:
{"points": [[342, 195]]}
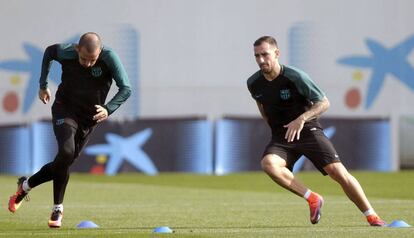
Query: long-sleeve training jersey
{"points": [[82, 88]]}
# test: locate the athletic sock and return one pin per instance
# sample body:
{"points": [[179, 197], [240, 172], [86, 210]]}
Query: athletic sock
{"points": [[307, 194], [369, 212], [58, 207], [26, 186]]}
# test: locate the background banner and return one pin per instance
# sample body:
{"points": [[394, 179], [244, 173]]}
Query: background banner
{"points": [[192, 145]]}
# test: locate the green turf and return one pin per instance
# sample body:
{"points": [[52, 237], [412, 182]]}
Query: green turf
{"points": [[238, 205]]}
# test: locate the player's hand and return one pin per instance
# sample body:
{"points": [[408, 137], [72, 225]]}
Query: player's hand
{"points": [[294, 128], [101, 115], [44, 95]]}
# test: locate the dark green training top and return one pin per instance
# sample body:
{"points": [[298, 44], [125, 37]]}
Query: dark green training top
{"points": [[82, 88], [286, 97]]}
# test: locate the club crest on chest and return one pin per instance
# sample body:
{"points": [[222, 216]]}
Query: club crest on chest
{"points": [[96, 71], [285, 94]]}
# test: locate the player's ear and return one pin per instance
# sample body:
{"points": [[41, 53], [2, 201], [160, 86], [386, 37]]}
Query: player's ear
{"points": [[77, 48], [277, 52]]}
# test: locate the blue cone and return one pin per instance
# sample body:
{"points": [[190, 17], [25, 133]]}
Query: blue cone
{"points": [[87, 225], [163, 229], [399, 223]]}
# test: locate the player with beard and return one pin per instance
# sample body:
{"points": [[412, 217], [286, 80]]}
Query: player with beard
{"points": [[290, 103]]}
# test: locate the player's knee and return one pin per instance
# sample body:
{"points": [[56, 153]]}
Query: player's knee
{"points": [[66, 153], [64, 157], [265, 163], [337, 172], [270, 165]]}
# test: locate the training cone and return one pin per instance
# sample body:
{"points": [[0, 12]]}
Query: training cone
{"points": [[399, 223], [163, 229], [87, 225]]}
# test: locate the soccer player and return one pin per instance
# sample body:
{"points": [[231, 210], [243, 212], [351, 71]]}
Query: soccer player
{"points": [[290, 103], [88, 69]]}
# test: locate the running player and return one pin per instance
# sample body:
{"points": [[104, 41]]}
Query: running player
{"points": [[290, 103], [88, 69]]}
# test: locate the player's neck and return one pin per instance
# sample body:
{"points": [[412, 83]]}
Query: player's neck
{"points": [[274, 73]]}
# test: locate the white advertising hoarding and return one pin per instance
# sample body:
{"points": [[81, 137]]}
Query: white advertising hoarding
{"points": [[192, 57]]}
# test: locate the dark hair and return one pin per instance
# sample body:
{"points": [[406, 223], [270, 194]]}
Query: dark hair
{"points": [[91, 41], [268, 39]]}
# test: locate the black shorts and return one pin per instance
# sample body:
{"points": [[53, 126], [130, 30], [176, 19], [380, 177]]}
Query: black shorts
{"points": [[312, 143]]}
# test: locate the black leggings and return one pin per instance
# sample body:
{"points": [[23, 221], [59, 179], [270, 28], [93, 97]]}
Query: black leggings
{"points": [[71, 138]]}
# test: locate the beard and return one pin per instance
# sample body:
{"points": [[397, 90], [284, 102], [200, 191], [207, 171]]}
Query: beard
{"points": [[266, 69]]}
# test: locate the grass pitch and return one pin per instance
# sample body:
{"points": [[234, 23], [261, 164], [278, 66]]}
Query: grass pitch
{"points": [[237, 205]]}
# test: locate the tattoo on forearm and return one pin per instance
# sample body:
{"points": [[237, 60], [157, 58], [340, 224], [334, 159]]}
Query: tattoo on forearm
{"points": [[316, 110]]}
